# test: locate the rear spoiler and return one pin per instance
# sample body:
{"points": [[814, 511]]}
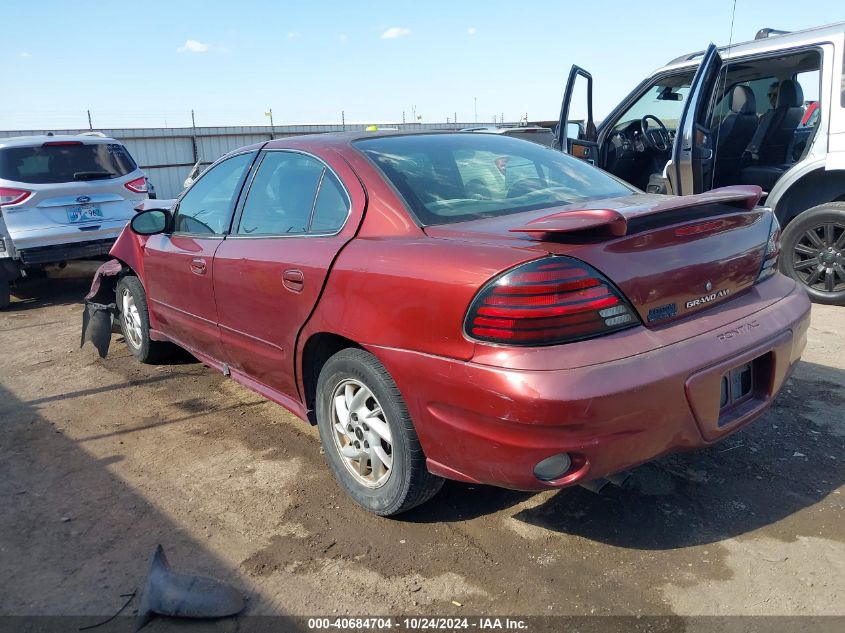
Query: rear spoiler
{"points": [[615, 220]]}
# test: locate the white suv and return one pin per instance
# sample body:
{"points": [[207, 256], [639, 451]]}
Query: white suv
{"points": [[62, 198], [736, 116]]}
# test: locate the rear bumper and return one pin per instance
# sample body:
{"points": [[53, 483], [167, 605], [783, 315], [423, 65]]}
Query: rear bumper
{"points": [[61, 235], [492, 425], [64, 252]]}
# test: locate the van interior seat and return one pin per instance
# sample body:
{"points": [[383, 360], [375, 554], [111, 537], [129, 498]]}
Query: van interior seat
{"points": [[733, 134], [772, 143], [771, 147]]}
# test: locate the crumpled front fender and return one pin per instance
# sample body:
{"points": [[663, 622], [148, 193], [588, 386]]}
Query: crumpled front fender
{"points": [[101, 307]]}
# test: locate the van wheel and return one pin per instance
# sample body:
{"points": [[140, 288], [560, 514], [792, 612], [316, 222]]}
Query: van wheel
{"points": [[134, 319], [814, 252], [5, 294], [368, 437]]}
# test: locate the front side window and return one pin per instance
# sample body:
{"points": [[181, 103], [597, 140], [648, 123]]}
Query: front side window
{"points": [[447, 178], [206, 208], [293, 194]]}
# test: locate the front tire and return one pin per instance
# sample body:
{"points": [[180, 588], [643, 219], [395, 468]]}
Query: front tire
{"points": [[368, 437], [135, 322], [814, 252]]}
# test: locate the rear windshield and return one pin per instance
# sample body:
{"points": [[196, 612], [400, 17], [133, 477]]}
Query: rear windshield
{"points": [[447, 178], [65, 163]]}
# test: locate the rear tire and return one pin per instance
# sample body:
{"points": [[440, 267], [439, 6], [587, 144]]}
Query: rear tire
{"points": [[131, 301], [5, 294], [813, 252], [379, 462]]}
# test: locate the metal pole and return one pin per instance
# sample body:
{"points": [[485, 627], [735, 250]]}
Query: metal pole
{"points": [[194, 137], [90, 125], [343, 119]]}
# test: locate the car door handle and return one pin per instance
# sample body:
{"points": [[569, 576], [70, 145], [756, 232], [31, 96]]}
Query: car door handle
{"points": [[198, 266], [293, 280]]}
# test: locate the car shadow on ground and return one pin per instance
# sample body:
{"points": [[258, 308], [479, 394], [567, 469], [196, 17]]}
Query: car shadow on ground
{"points": [[788, 460], [76, 537], [41, 291]]}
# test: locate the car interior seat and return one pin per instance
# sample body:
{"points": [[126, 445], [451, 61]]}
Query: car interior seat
{"points": [[733, 135]]}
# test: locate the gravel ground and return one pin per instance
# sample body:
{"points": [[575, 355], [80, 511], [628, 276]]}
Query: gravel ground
{"points": [[101, 460]]}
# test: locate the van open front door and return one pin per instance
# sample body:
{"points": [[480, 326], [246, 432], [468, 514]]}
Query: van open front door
{"points": [[690, 169], [572, 137]]}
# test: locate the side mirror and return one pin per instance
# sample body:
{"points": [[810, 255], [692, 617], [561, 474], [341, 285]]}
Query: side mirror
{"points": [[150, 222]]}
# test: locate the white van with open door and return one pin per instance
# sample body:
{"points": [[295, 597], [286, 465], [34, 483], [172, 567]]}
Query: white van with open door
{"points": [[733, 116]]}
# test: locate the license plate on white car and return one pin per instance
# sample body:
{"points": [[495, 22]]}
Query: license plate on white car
{"points": [[84, 213]]}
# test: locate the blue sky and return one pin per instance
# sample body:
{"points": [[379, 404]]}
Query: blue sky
{"points": [[149, 64]]}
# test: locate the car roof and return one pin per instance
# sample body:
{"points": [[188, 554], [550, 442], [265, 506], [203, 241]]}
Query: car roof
{"points": [[489, 129], [336, 139], [764, 44], [40, 139]]}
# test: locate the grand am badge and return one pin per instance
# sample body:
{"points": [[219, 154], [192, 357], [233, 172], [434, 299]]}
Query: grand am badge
{"points": [[692, 303]]}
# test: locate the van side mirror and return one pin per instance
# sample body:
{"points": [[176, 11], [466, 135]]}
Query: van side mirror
{"points": [[151, 222]]}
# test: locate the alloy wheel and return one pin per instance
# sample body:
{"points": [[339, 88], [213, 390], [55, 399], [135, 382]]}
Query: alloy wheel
{"points": [[819, 257], [131, 319], [361, 433]]}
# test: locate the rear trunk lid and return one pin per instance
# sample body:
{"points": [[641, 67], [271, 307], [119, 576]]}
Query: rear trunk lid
{"points": [[670, 256]]}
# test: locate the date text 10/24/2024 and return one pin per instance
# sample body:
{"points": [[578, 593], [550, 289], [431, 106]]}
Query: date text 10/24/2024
{"points": [[418, 624]]}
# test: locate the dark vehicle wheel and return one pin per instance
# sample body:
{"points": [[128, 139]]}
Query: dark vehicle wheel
{"points": [[5, 294], [368, 437], [135, 322], [814, 252]]}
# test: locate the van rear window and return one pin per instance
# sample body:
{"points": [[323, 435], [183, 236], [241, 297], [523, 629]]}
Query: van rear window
{"points": [[44, 164]]}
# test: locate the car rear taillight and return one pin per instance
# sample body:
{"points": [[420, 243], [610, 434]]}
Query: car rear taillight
{"points": [[546, 302], [772, 254], [139, 185], [13, 196]]}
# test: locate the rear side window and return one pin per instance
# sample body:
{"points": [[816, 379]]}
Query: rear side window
{"points": [[65, 162], [332, 206], [447, 178], [293, 194]]}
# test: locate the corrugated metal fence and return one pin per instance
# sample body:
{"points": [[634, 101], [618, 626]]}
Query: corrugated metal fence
{"points": [[168, 154]]}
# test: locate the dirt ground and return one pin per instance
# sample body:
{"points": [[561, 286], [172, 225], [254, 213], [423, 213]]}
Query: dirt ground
{"points": [[100, 460]]}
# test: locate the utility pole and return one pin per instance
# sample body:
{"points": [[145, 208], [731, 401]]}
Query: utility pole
{"points": [[90, 125], [343, 119], [403, 117], [456, 118]]}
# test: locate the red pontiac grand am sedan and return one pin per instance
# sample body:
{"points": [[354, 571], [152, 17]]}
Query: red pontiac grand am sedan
{"points": [[462, 306]]}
